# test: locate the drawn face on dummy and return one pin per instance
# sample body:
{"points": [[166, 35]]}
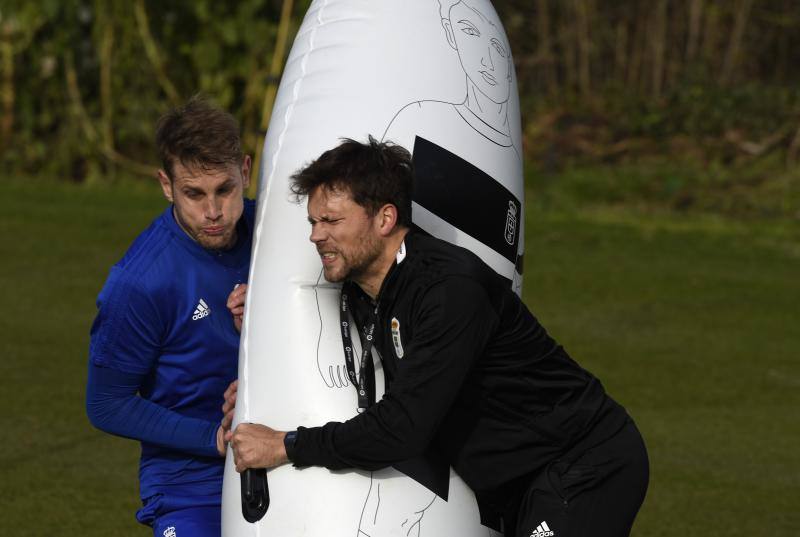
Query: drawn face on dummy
{"points": [[482, 48], [345, 235], [208, 203]]}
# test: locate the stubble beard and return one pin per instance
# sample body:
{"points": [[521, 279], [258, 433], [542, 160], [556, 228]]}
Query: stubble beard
{"points": [[356, 264], [217, 243], [226, 241]]}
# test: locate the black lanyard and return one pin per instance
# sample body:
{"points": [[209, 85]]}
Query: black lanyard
{"points": [[366, 372]]}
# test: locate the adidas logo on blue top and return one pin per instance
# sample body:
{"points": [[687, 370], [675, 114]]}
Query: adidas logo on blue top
{"points": [[202, 310]]}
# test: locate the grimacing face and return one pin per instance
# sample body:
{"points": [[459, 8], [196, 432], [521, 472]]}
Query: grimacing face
{"points": [[483, 51], [344, 234], [208, 203]]}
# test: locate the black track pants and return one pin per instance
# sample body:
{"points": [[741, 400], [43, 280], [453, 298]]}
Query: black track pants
{"points": [[596, 493]]}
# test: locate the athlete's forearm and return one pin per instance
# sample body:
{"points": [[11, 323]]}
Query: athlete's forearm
{"points": [[113, 406]]}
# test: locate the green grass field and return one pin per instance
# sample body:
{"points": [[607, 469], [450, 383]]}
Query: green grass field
{"points": [[690, 321]]}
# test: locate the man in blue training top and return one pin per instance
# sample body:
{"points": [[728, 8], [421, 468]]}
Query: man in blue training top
{"points": [[163, 345]]}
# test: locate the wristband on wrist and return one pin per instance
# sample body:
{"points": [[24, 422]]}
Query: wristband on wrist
{"points": [[288, 443]]}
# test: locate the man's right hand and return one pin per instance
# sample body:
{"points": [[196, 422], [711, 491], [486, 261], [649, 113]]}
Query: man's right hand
{"points": [[236, 304], [257, 446]]}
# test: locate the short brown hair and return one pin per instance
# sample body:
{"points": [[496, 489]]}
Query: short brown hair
{"points": [[374, 173], [198, 134]]}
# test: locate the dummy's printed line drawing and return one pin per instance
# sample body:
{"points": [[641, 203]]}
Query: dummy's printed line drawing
{"points": [[485, 58], [374, 523], [472, 29], [335, 378]]}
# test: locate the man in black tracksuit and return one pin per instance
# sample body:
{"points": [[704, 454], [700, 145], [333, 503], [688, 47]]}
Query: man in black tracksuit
{"points": [[471, 374]]}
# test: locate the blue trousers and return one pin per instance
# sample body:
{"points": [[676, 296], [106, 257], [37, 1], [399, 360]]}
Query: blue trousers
{"points": [[190, 522], [182, 516]]}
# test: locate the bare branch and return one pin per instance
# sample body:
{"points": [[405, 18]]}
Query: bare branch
{"points": [[151, 49]]}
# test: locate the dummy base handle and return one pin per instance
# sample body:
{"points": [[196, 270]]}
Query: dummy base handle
{"points": [[255, 494]]}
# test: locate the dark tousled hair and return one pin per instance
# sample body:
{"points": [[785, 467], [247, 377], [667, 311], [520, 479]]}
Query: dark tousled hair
{"points": [[374, 173], [198, 135]]}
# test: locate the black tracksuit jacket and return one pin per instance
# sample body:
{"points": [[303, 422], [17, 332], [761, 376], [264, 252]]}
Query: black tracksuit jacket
{"points": [[480, 381]]}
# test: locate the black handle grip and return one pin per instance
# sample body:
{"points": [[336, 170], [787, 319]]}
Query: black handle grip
{"points": [[255, 494]]}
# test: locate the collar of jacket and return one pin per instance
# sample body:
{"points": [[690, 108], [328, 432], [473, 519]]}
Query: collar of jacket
{"points": [[387, 291]]}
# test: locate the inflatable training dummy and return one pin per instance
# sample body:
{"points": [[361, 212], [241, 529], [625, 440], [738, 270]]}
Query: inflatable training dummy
{"points": [[436, 77]]}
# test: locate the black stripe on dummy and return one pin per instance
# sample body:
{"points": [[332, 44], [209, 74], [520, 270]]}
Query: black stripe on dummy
{"points": [[466, 197]]}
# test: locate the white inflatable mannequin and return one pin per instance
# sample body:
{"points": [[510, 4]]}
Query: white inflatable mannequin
{"points": [[353, 70]]}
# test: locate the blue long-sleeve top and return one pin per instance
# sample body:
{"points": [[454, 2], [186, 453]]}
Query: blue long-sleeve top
{"points": [[113, 405], [163, 349]]}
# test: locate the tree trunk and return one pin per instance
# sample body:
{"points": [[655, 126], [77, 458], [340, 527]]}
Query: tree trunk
{"points": [[153, 55], [710, 38], [621, 50], [251, 106], [582, 10], [638, 47], [693, 37], [743, 8], [106, 60], [279, 53], [659, 38], [545, 53], [567, 40], [8, 90], [675, 50]]}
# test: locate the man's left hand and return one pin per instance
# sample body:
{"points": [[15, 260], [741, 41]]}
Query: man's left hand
{"points": [[235, 304], [257, 446], [229, 406]]}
